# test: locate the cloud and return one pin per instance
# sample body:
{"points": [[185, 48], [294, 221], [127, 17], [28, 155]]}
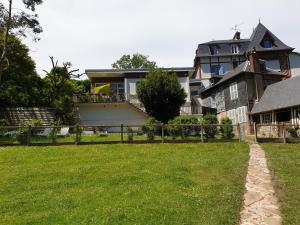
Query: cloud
{"points": [[94, 33]]}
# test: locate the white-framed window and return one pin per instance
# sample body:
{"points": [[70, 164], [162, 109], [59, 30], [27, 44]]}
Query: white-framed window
{"points": [[242, 114], [233, 91], [235, 49], [231, 115]]}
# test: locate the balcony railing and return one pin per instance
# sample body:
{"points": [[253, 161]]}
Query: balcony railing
{"points": [[93, 98]]}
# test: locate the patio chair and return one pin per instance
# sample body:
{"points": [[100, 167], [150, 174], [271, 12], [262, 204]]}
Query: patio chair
{"points": [[10, 133], [88, 132], [103, 133], [45, 133], [64, 132]]}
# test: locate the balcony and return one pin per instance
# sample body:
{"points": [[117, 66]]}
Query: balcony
{"points": [[93, 98]]}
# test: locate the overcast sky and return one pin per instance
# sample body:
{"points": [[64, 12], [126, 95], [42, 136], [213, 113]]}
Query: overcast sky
{"points": [[92, 34]]}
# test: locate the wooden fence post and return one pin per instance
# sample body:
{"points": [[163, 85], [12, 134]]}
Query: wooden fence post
{"points": [[29, 135], [162, 133], [77, 134], [238, 127], [255, 131], [122, 133], [201, 126], [284, 133]]}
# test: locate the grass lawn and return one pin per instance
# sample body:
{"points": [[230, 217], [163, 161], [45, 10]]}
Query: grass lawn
{"points": [[123, 184], [284, 160]]}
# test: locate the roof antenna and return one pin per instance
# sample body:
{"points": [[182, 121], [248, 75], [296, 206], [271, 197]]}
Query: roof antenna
{"points": [[237, 35]]}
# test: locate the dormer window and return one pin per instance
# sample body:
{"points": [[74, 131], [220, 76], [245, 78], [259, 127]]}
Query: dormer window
{"points": [[235, 49], [267, 44], [267, 41], [214, 50]]}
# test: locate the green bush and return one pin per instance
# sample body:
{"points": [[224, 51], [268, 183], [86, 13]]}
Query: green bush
{"points": [[21, 134], [78, 131], [175, 129], [151, 128], [293, 131], [209, 121], [129, 134], [53, 134], [3, 122], [226, 128]]}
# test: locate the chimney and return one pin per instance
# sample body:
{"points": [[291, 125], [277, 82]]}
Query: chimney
{"points": [[237, 36], [256, 66], [254, 61]]}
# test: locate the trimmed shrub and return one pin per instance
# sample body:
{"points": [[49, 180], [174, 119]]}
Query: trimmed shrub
{"points": [[129, 132], [293, 131], [226, 128], [151, 128], [209, 122], [175, 129]]}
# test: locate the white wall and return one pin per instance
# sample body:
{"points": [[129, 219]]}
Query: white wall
{"points": [[110, 115], [295, 64], [131, 85]]}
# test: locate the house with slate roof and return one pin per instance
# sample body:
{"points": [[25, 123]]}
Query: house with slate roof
{"points": [[215, 58], [234, 74], [280, 103]]}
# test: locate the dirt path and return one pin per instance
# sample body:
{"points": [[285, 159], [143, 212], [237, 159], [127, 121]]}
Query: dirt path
{"points": [[260, 203]]}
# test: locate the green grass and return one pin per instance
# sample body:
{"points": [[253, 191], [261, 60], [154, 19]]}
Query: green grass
{"points": [[116, 138], [284, 160], [123, 184]]}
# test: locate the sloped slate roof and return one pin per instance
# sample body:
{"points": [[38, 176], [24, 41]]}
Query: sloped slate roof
{"points": [[224, 47], [245, 45], [242, 68], [283, 94], [258, 35]]}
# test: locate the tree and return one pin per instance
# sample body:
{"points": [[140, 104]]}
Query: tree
{"points": [[137, 61], [21, 86], [161, 95], [210, 123], [226, 128], [61, 87], [18, 23]]}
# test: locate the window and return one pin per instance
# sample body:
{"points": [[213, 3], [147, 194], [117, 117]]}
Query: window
{"points": [[267, 118], [241, 111], [233, 91], [116, 88], [231, 115], [217, 70], [214, 50], [267, 41], [284, 116], [235, 49]]}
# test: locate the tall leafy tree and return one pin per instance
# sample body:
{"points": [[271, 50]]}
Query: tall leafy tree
{"points": [[20, 23], [61, 88], [21, 86], [161, 95], [136, 61]]}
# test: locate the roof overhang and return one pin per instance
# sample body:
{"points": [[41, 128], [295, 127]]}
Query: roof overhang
{"points": [[111, 73]]}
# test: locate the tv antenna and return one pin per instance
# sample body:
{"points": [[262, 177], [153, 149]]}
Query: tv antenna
{"points": [[236, 27]]}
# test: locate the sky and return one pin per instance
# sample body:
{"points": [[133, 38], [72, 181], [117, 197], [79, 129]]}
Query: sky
{"points": [[92, 34]]}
